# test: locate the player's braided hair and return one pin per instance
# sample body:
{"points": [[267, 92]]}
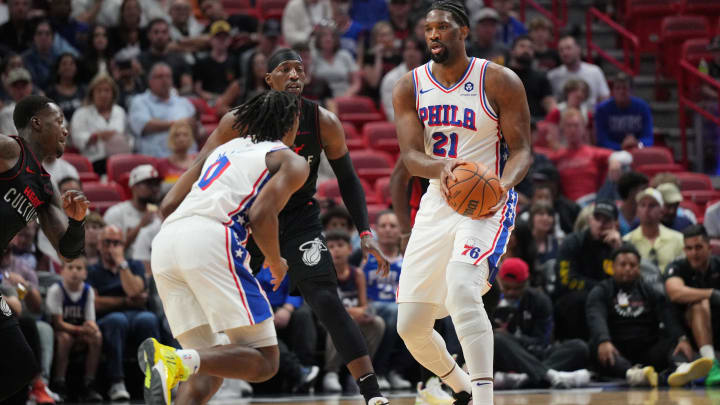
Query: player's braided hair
{"points": [[455, 8], [267, 116]]}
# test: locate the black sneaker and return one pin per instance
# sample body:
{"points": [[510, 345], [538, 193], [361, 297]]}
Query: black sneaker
{"points": [[462, 398], [89, 394]]}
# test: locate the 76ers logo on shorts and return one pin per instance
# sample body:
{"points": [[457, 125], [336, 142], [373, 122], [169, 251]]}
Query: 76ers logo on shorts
{"points": [[312, 251], [4, 307], [470, 248]]}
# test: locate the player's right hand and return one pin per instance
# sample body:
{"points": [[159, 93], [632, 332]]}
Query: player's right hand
{"points": [[278, 269], [447, 174]]}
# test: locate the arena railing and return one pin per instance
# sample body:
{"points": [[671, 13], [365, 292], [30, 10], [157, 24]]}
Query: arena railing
{"points": [[630, 43], [558, 15], [687, 98]]}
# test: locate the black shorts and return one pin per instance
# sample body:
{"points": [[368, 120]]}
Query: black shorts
{"points": [[18, 365], [302, 245]]}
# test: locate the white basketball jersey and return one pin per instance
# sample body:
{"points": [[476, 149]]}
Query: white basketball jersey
{"points": [[459, 121], [231, 179]]}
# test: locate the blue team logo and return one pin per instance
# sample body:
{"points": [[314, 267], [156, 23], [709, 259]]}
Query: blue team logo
{"points": [[469, 87]]}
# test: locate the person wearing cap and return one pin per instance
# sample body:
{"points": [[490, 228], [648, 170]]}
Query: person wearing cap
{"points": [[583, 260], [671, 202], [525, 355], [632, 323], [301, 17], [267, 44], [623, 121], [140, 210], [215, 73], [656, 243], [19, 85], [121, 297], [158, 34], [484, 44], [692, 283]]}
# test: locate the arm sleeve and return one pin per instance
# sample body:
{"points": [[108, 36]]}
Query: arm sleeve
{"points": [[72, 243], [351, 191], [54, 300], [647, 131], [90, 306], [596, 310], [567, 266]]}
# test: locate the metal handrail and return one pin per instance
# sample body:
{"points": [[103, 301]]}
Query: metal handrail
{"points": [[558, 15], [684, 101], [630, 42]]}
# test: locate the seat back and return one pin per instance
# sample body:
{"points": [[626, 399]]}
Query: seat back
{"points": [[674, 31], [643, 18], [690, 181], [651, 155], [80, 162]]}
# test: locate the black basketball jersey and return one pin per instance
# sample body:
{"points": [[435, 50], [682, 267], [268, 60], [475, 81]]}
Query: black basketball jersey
{"points": [[23, 190], [308, 145]]}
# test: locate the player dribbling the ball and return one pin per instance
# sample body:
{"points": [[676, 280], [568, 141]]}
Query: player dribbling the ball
{"points": [[448, 111]]}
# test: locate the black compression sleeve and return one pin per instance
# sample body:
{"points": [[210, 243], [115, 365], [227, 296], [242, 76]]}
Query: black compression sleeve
{"points": [[72, 243], [351, 191]]}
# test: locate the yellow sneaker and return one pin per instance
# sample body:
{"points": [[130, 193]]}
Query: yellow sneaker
{"points": [[687, 372], [163, 370]]}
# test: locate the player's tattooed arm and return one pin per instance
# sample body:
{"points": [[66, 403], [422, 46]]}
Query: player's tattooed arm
{"points": [[9, 153], [223, 133]]}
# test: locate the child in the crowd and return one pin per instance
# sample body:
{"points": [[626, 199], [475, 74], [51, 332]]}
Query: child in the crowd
{"points": [[71, 305]]}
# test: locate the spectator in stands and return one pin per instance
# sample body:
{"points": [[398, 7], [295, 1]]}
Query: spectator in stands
{"points": [[381, 300], [267, 43], [121, 306], [98, 54], [254, 80], [575, 93], [671, 202], [629, 185], [540, 30], [99, 127], [546, 182], [542, 224], [128, 34], [399, 11], [40, 58], [350, 31], [524, 353], [67, 184], [369, 12], [94, 224], [214, 74], [338, 218], [71, 304], [582, 167], [484, 44], [656, 243], [584, 259], [574, 67], [185, 30], [127, 73], [301, 18], [10, 62], [180, 140], [153, 112], [537, 87], [316, 87], [19, 85], [105, 13], [353, 294], [668, 177], [17, 34], [244, 26], [158, 33], [693, 285], [73, 31], [140, 211], [419, 28], [623, 121], [382, 56], [335, 64], [66, 89], [510, 27], [413, 53], [625, 315], [712, 219]]}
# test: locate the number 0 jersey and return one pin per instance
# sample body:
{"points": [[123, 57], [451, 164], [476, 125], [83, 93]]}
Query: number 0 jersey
{"points": [[459, 121]]}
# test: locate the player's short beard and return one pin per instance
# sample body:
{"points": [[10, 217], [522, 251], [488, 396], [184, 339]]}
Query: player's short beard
{"points": [[441, 57]]}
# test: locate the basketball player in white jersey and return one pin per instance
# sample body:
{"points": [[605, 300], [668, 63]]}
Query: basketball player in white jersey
{"points": [[201, 265], [453, 109]]}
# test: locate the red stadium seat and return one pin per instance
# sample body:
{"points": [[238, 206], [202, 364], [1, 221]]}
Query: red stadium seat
{"points": [[694, 50], [373, 211], [80, 162], [271, 9], [88, 177], [357, 110], [701, 197], [690, 181], [371, 165], [673, 32], [695, 208], [103, 195], [352, 139], [651, 155], [382, 189], [381, 136], [330, 189], [709, 8], [119, 167], [240, 7], [652, 169], [643, 18]]}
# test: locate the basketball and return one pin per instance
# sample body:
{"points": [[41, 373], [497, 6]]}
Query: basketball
{"points": [[476, 190]]}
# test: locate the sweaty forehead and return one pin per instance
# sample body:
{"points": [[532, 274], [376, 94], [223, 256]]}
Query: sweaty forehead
{"points": [[439, 16], [287, 64]]}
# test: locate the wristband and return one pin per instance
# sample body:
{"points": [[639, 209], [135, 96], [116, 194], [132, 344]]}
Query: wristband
{"points": [[365, 233]]}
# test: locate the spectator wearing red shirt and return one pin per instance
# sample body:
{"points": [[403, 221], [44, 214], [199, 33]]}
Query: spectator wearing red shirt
{"points": [[582, 167]]}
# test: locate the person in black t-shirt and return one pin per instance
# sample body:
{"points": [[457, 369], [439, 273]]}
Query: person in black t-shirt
{"points": [[538, 89], [540, 30], [624, 315], [26, 194], [158, 33], [214, 74]]}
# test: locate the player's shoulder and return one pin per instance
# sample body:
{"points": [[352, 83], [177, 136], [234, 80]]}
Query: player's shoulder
{"points": [[9, 147]]}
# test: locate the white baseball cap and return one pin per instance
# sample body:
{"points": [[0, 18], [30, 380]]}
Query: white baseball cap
{"points": [[652, 193], [142, 173]]}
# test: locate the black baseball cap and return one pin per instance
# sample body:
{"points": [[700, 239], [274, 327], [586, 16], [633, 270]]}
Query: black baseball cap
{"points": [[606, 208]]}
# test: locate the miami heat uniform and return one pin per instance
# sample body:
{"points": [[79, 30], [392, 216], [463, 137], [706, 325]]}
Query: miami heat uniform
{"points": [[459, 123], [199, 258]]}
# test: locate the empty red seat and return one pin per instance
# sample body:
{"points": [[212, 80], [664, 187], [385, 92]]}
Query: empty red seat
{"points": [[240, 7], [103, 195], [271, 9], [651, 155], [352, 139], [382, 189], [119, 167], [80, 162], [381, 136], [701, 197], [330, 189], [651, 170], [88, 177], [690, 181], [357, 110], [673, 32], [643, 18], [709, 8], [371, 164]]}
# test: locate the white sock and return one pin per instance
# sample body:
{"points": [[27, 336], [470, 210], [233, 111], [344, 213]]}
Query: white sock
{"points": [[458, 380], [708, 351], [482, 392], [550, 375], [190, 358]]}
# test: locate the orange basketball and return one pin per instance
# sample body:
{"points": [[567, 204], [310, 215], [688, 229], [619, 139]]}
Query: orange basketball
{"points": [[476, 190]]}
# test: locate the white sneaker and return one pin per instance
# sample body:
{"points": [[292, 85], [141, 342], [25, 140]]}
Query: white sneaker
{"points": [[331, 382], [509, 381], [642, 376], [569, 379], [687, 372], [228, 390], [245, 388], [397, 382], [432, 394], [378, 401], [118, 392], [383, 383]]}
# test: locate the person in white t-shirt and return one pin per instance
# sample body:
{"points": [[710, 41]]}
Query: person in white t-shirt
{"points": [[574, 67]]}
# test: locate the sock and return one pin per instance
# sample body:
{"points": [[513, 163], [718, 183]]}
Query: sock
{"points": [[190, 359], [708, 351], [458, 380], [369, 386], [482, 392], [550, 375]]}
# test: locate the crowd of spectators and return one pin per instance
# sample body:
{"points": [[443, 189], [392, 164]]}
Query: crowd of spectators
{"points": [[605, 269]]}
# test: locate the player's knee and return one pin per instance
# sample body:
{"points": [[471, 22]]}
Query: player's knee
{"points": [[580, 348], [411, 330]]}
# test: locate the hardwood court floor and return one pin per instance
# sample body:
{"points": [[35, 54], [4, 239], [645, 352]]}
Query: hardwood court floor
{"points": [[591, 396]]}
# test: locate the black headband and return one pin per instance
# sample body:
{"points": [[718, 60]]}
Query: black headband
{"points": [[280, 56]]}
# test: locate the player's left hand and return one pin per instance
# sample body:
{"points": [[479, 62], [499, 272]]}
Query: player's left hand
{"points": [[75, 204], [370, 246], [278, 269], [501, 202]]}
